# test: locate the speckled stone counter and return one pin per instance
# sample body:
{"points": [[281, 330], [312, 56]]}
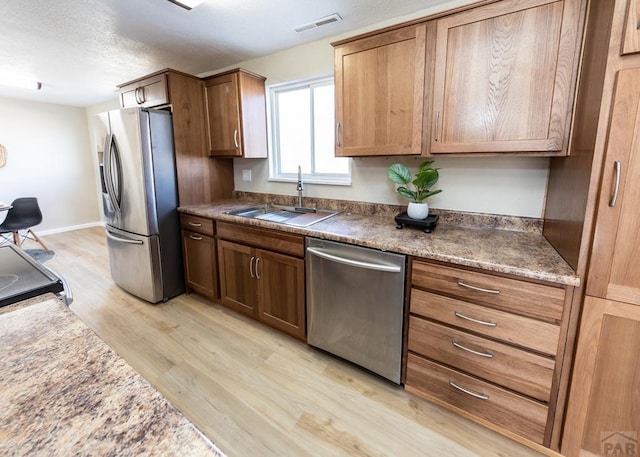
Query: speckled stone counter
{"points": [[524, 252], [63, 391]]}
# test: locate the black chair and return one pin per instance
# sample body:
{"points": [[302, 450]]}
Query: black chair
{"points": [[24, 214]]}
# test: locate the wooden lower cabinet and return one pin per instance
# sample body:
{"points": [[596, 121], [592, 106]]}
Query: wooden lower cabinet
{"points": [[199, 254], [262, 283], [489, 347], [238, 290], [603, 417]]}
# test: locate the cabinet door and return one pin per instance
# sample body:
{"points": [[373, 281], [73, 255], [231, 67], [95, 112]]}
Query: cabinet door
{"points": [[631, 36], [238, 288], [615, 258], [603, 417], [503, 77], [281, 279], [223, 113], [146, 93], [379, 94], [200, 263]]}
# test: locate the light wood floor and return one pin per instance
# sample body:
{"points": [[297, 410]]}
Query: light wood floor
{"points": [[252, 390]]}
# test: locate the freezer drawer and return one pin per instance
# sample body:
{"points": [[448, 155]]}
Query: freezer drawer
{"points": [[135, 263]]}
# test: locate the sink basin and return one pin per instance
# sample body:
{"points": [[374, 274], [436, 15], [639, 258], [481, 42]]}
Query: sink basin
{"points": [[299, 217]]}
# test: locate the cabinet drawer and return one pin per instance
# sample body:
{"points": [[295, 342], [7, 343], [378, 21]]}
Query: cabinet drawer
{"points": [[513, 368], [197, 224], [273, 240], [525, 298], [511, 328], [503, 408]]}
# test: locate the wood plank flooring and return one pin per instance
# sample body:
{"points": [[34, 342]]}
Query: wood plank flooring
{"points": [[252, 390]]}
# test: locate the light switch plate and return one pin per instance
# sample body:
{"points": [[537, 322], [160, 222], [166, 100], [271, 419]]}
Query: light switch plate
{"points": [[246, 175]]}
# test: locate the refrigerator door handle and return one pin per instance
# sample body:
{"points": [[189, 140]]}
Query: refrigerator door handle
{"points": [[114, 182], [122, 240]]}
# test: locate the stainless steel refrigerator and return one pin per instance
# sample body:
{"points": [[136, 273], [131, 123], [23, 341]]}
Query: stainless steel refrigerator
{"points": [[140, 199]]}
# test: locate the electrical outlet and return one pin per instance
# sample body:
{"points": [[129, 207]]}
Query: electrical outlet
{"points": [[246, 175]]}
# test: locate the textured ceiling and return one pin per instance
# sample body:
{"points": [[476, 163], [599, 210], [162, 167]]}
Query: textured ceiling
{"points": [[81, 49]]}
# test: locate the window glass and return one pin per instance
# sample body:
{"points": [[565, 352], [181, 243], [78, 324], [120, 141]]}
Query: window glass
{"points": [[302, 133]]}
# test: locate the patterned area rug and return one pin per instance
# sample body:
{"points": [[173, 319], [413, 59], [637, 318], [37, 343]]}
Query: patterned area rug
{"points": [[40, 255]]}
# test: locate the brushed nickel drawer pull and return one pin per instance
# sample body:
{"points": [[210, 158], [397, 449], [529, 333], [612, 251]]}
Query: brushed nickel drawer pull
{"points": [[464, 348], [479, 289], [195, 224], [468, 392], [477, 321], [616, 186], [197, 238]]}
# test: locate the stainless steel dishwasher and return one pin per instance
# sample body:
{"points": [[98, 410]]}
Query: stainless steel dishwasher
{"points": [[355, 304]]}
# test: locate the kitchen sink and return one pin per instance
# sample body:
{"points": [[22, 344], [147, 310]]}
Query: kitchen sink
{"points": [[289, 215]]}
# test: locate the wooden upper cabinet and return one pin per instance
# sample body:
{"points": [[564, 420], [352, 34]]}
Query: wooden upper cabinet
{"points": [[146, 93], [614, 272], [236, 115], [379, 82], [504, 78], [631, 35]]}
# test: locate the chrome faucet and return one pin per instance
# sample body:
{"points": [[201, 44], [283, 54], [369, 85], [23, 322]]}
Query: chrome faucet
{"points": [[300, 186]]}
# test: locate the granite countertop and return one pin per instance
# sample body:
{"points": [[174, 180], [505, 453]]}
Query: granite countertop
{"points": [[523, 252], [63, 391]]}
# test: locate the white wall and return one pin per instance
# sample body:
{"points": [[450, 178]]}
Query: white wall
{"points": [[49, 158], [499, 185]]}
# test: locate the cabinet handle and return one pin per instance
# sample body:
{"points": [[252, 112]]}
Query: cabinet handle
{"points": [[488, 355], [338, 134], [253, 276], [617, 166], [257, 263], [479, 289], [197, 238], [139, 93], [195, 224], [437, 125], [235, 138], [477, 321], [468, 392]]}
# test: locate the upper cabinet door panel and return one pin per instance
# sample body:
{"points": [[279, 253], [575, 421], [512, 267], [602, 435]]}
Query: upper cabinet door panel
{"points": [[379, 94], [631, 37], [237, 114], [223, 115], [504, 78]]}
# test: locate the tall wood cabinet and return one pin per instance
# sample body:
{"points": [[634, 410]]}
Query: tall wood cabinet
{"points": [[503, 79], [236, 115], [200, 180], [592, 218], [605, 400], [379, 84]]}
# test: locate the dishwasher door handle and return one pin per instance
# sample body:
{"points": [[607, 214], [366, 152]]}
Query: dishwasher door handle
{"points": [[355, 263]]}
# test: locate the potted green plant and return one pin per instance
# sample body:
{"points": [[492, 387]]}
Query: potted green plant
{"points": [[415, 188]]}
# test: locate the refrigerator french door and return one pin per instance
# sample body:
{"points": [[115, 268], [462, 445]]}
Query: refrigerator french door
{"points": [[140, 198]]}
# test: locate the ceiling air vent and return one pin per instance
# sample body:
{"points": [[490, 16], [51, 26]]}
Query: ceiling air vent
{"points": [[335, 17]]}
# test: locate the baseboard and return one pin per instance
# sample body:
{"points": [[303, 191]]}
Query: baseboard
{"points": [[69, 228]]}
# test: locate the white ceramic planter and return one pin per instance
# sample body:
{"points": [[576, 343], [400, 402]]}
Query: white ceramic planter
{"points": [[418, 210]]}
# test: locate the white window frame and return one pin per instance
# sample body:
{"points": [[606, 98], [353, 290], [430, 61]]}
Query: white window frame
{"points": [[336, 179]]}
